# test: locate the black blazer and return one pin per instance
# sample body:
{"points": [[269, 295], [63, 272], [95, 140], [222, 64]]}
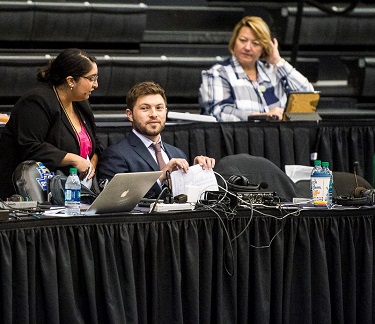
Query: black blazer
{"points": [[131, 155], [39, 130]]}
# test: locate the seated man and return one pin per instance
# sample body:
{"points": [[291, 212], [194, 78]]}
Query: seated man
{"points": [[146, 109]]}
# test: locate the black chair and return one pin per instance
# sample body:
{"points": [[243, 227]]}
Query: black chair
{"points": [[345, 183], [30, 180], [258, 170]]}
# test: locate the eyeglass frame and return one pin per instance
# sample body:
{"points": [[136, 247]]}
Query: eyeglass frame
{"points": [[92, 78]]}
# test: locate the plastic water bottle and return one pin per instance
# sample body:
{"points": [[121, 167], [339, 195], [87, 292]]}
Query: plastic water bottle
{"points": [[325, 169], [72, 194], [320, 182], [316, 169]]}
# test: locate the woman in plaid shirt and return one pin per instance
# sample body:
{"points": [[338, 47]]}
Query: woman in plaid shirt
{"points": [[255, 80]]}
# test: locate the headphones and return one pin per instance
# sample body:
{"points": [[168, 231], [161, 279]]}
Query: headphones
{"points": [[361, 197], [239, 183]]}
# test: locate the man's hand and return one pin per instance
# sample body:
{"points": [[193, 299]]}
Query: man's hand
{"points": [[205, 162], [174, 165]]}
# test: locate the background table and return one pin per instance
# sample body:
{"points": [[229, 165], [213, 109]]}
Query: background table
{"points": [[188, 268]]}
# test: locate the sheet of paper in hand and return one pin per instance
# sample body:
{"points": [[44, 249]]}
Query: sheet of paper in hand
{"points": [[204, 180]]}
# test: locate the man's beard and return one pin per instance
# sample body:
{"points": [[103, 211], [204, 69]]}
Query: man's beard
{"points": [[145, 131]]}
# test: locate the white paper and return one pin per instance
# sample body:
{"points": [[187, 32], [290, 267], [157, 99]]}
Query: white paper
{"points": [[298, 172], [56, 212], [87, 182], [196, 176]]}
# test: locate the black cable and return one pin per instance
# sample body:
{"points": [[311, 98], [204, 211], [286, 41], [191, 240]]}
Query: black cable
{"points": [[168, 198], [35, 212]]}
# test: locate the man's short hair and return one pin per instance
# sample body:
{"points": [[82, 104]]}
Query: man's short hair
{"points": [[143, 89]]}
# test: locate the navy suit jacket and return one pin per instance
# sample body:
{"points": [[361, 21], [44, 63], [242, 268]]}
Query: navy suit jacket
{"points": [[131, 155]]}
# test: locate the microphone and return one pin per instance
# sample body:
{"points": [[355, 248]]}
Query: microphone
{"points": [[169, 197], [355, 167], [358, 191]]}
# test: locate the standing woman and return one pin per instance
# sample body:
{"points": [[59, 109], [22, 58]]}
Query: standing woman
{"points": [[53, 122], [255, 80]]}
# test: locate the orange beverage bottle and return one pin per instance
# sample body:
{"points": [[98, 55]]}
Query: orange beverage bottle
{"points": [[4, 118]]}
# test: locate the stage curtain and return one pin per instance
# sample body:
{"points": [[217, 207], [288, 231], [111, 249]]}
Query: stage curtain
{"points": [[342, 144], [282, 143]]}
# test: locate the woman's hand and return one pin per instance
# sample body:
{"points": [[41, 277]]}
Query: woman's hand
{"points": [[82, 165], [94, 163], [274, 57], [277, 111]]}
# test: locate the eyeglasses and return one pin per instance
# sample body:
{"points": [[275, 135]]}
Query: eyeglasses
{"points": [[91, 78]]}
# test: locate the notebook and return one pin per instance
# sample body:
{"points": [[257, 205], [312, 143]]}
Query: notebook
{"points": [[302, 106], [123, 192]]}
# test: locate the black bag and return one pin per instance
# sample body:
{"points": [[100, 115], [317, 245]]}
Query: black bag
{"points": [[56, 195], [33, 181]]}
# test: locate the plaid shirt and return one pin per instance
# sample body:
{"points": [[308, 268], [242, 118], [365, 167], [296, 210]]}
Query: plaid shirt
{"points": [[228, 94]]}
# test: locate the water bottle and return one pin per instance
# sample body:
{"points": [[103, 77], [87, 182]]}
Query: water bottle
{"points": [[72, 193], [325, 169], [316, 169], [320, 183]]}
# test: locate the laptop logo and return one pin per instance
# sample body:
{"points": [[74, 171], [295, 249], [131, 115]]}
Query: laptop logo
{"points": [[124, 193]]}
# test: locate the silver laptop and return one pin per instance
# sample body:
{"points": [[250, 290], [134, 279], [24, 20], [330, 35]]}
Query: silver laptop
{"points": [[123, 192]]}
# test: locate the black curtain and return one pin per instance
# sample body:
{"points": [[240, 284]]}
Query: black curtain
{"points": [[282, 143], [343, 143], [338, 142], [190, 268]]}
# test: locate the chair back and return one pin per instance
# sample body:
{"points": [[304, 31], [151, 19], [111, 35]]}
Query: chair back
{"points": [[258, 170]]}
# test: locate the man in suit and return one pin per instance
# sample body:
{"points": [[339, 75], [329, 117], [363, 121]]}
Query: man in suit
{"points": [[146, 109]]}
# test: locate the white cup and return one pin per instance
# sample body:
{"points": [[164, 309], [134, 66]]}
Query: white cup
{"points": [[192, 193]]}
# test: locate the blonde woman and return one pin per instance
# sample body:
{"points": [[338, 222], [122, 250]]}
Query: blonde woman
{"points": [[255, 80]]}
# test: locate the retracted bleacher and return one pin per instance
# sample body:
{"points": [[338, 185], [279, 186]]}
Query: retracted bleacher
{"points": [[180, 77], [170, 43], [337, 31], [340, 42], [80, 24]]}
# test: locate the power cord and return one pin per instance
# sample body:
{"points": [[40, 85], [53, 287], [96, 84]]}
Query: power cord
{"points": [[17, 213]]}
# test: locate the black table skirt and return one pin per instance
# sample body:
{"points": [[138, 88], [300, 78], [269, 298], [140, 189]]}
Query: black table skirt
{"points": [[198, 267], [341, 142]]}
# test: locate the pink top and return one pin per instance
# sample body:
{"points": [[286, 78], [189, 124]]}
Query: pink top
{"points": [[85, 142]]}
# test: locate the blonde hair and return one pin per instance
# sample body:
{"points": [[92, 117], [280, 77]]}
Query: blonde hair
{"points": [[261, 30]]}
